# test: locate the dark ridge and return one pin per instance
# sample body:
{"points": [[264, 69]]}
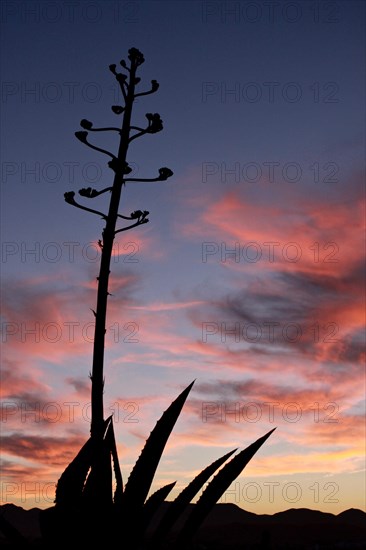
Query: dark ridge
{"points": [[229, 527]]}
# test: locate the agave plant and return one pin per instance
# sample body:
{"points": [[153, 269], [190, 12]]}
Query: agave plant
{"points": [[86, 510], [129, 511]]}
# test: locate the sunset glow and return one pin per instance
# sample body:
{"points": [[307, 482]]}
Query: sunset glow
{"points": [[249, 277]]}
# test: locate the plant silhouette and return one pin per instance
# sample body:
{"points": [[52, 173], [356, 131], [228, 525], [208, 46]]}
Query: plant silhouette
{"points": [[86, 510]]}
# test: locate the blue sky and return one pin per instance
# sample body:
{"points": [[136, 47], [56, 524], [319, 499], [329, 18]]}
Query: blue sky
{"points": [[263, 111]]}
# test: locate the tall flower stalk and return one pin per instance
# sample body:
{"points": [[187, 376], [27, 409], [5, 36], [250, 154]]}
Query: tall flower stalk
{"points": [[128, 82]]}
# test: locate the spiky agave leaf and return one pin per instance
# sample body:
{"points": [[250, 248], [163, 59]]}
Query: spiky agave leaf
{"points": [[217, 487], [60, 521], [153, 503], [95, 523], [70, 485], [118, 493], [177, 507], [98, 486], [140, 479]]}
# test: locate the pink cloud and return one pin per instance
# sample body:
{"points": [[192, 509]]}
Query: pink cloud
{"points": [[145, 244], [302, 215], [14, 381], [52, 451]]}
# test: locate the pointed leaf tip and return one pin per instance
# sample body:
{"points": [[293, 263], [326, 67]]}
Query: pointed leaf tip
{"points": [[140, 479], [184, 498], [218, 485]]}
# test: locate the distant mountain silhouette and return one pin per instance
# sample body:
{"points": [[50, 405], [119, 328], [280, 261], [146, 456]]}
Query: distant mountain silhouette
{"points": [[229, 527], [25, 521]]}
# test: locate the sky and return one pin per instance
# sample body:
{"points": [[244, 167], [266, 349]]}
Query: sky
{"points": [[249, 276]]}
